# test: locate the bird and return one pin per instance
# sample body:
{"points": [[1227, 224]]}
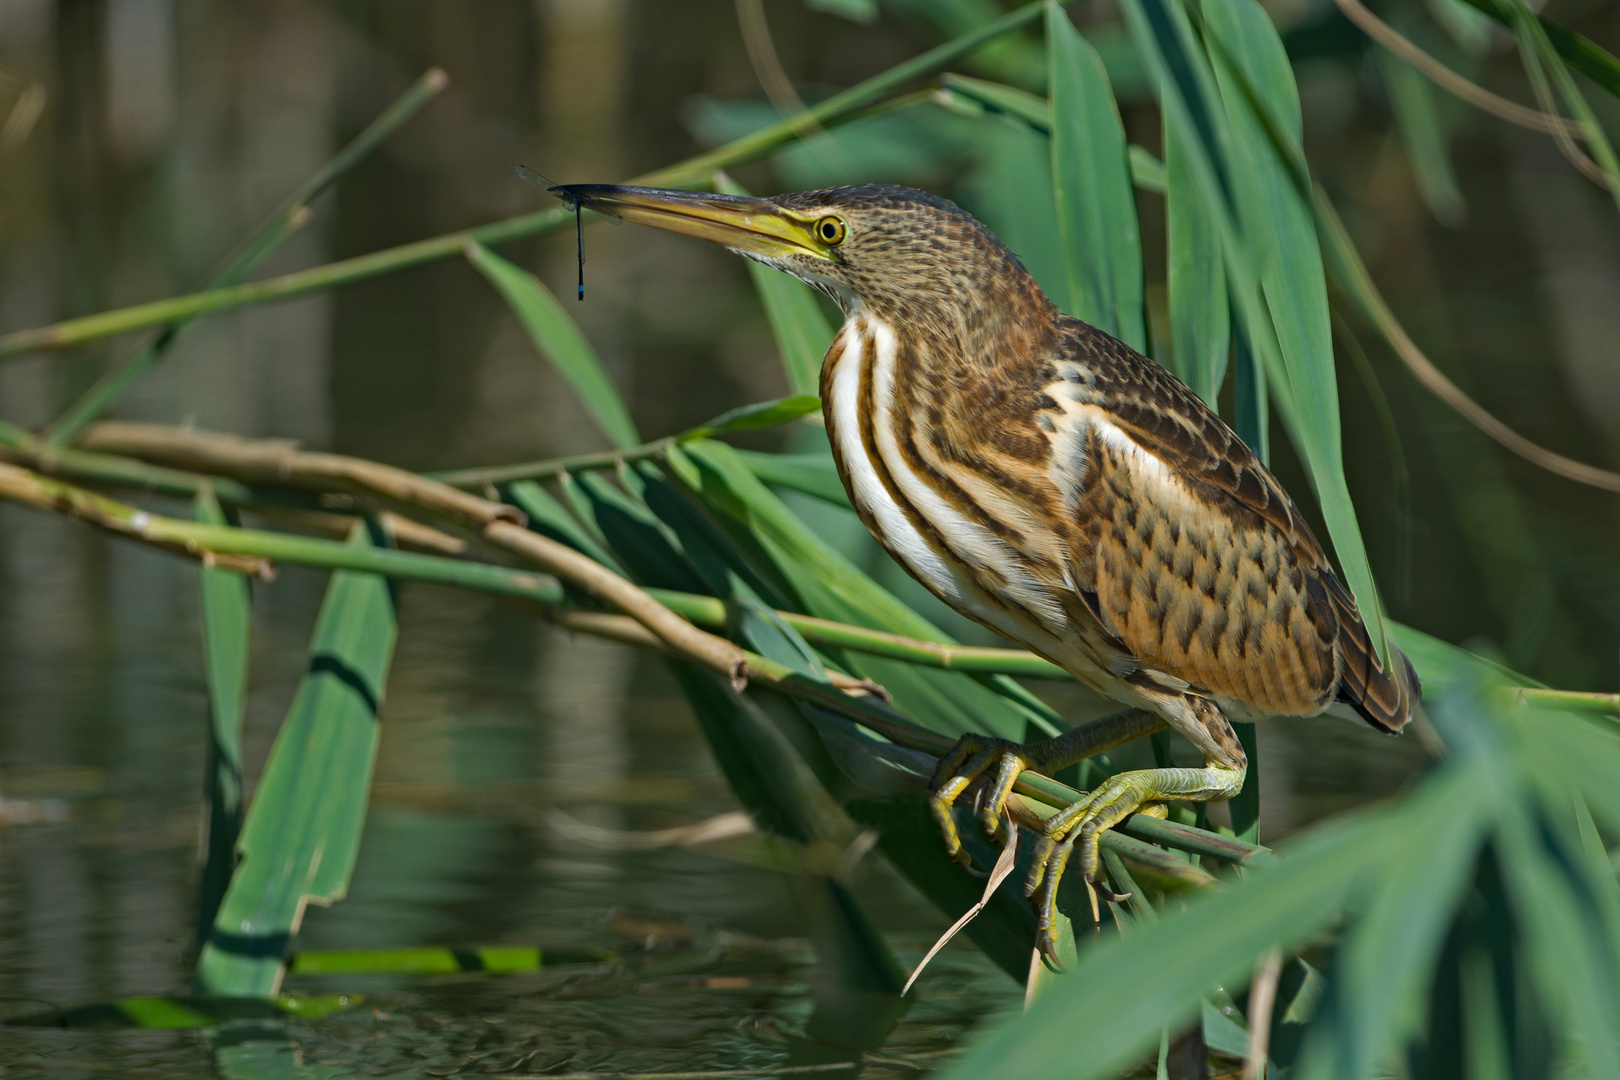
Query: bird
{"points": [[1045, 479]]}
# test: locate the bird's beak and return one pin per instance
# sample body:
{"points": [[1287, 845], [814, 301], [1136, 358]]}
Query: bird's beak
{"points": [[747, 225]]}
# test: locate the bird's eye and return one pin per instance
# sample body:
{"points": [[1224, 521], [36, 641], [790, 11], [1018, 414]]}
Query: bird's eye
{"points": [[831, 231]]}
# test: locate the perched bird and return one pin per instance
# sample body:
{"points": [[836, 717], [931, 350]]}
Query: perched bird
{"points": [[1046, 480]]}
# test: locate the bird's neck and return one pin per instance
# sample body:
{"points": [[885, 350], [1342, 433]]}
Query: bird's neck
{"points": [[962, 330]]}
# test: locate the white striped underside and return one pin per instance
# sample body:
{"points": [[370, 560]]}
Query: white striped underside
{"points": [[952, 569]]}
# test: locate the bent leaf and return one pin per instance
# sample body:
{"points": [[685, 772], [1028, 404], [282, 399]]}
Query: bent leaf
{"points": [[303, 829], [559, 341], [753, 417]]}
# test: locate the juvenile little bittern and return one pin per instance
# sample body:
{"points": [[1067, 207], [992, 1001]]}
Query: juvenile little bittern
{"points": [[1043, 478]]}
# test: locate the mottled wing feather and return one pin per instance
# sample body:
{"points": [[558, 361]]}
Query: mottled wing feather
{"points": [[1204, 569]]}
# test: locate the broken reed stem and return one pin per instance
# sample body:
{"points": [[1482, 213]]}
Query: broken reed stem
{"points": [[250, 551], [1262, 993], [42, 492]]}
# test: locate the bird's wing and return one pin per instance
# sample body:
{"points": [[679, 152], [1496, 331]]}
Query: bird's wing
{"points": [[1190, 553]]}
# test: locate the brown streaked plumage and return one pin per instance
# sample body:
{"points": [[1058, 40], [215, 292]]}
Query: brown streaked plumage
{"points": [[1045, 479]]}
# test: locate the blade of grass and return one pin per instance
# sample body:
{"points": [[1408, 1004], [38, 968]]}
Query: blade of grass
{"points": [[1091, 179], [766, 414], [802, 332], [1120, 984], [1200, 313], [303, 830], [288, 219], [1417, 119], [1293, 344], [559, 341], [227, 618], [843, 105]]}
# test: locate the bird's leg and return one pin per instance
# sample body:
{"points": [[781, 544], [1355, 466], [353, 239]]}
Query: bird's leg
{"points": [[1077, 827], [973, 756]]}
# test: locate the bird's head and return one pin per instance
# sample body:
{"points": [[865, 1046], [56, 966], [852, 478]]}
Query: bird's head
{"points": [[875, 247]]}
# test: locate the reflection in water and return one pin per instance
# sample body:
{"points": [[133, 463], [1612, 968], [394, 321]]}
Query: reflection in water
{"points": [[581, 684]]}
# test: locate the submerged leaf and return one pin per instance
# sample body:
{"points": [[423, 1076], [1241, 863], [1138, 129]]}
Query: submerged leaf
{"points": [[303, 830]]}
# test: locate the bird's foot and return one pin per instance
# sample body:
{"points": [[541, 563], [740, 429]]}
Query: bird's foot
{"points": [[972, 757], [1078, 827]]}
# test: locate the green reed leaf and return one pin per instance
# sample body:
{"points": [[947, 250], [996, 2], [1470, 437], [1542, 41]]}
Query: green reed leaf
{"points": [[227, 622], [802, 332], [1423, 137], [808, 474], [559, 341], [1200, 313], [303, 830], [765, 414], [1131, 986], [1091, 181]]}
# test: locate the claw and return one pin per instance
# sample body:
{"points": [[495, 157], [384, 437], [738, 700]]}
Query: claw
{"points": [[958, 771]]}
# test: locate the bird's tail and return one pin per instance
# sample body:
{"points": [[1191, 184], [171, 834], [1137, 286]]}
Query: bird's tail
{"points": [[1382, 697]]}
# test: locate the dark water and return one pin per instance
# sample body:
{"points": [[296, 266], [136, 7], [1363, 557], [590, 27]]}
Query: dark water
{"points": [[511, 752]]}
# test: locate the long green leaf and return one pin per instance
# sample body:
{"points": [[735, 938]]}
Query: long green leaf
{"points": [[561, 342], [303, 830], [227, 619], [1200, 313], [765, 414], [802, 332], [1188, 88], [1091, 180], [1129, 988], [1383, 970], [1424, 139]]}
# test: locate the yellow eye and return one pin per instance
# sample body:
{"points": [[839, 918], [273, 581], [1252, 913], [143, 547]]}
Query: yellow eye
{"points": [[831, 231]]}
